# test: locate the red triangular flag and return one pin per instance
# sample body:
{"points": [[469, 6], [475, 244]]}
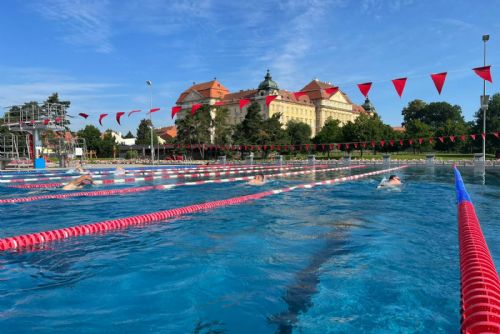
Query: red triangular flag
{"points": [[483, 72], [410, 141], [391, 142], [364, 88], [270, 99], [473, 137], [452, 138], [84, 115], [439, 79], [420, 140], [382, 143], [195, 107], [332, 90], [331, 147], [118, 116], [153, 110], [356, 145], [363, 144], [483, 135], [219, 103], [347, 146], [338, 146], [401, 142], [441, 139], [46, 121], [101, 116], [431, 140], [58, 120], [399, 85], [244, 102], [132, 112], [373, 143], [175, 110], [307, 147], [462, 137], [495, 134], [298, 95]]}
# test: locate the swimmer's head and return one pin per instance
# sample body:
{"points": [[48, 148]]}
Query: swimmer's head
{"points": [[394, 177], [259, 177]]}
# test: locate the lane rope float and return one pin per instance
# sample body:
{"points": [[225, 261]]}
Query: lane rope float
{"points": [[479, 283], [160, 176], [112, 192], [140, 173], [29, 240]]}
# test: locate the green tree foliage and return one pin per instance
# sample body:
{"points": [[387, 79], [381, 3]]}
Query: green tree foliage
{"points": [[144, 133], [223, 130], [366, 128], [299, 132], [103, 146], [250, 130], [92, 137], [195, 129], [129, 135], [331, 132], [274, 132], [417, 129], [492, 124]]}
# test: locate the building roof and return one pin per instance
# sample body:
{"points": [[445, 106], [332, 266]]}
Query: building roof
{"points": [[399, 128], [167, 132], [358, 109], [242, 94], [268, 83], [289, 96], [315, 90], [210, 90]]}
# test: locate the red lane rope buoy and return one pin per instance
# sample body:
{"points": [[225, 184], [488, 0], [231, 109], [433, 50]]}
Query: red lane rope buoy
{"points": [[160, 176], [112, 192], [479, 283], [28, 240]]}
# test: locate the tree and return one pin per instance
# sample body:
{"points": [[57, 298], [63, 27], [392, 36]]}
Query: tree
{"points": [[92, 137], [299, 132], [417, 129], [144, 133], [366, 128], [274, 132], [129, 135], [250, 130], [331, 132], [414, 110], [195, 129], [108, 145], [492, 124], [223, 130]]}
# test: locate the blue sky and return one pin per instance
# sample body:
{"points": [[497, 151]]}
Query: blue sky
{"points": [[99, 53]]}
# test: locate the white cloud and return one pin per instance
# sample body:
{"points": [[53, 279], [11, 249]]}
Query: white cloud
{"points": [[82, 22]]}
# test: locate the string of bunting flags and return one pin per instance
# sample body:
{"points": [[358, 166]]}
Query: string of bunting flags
{"points": [[382, 143], [484, 72]]}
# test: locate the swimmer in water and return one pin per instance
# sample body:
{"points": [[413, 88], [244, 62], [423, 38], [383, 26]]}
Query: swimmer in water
{"points": [[120, 171], [258, 180], [394, 181], [79, 183]]}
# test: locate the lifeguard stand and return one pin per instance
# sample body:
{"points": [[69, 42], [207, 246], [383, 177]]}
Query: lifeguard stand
{"points": [[31, 120]]}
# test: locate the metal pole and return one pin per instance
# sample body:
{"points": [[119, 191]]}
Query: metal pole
{"points": [[485, 39], [152, 149]]}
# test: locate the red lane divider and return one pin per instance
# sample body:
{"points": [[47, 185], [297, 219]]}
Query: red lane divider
{"points": [[160, 187], [28, 240], [479, 283], [160, 176]]}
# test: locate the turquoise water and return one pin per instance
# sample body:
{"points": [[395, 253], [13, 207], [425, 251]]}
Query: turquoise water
{"points": [[333, 259]]}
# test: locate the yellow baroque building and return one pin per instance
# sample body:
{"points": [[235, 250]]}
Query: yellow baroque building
{"points": [[314, 107]]}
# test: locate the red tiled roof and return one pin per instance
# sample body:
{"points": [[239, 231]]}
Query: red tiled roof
{"points": [[168, 131], [242, 94], [211, 89], [399, 128], [289, 96], [359, 109], [315, 91]]}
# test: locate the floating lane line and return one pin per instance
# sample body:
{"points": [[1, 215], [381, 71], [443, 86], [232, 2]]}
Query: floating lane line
{"points": [[112, 192], [29, 240], [157, 177], [479, 283], [143, 173]]}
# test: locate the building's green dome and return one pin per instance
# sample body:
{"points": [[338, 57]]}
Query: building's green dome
{"points": [[368, 106], [268, 83]]}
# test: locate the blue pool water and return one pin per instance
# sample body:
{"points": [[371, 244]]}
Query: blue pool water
{"points": [[333, 259]]}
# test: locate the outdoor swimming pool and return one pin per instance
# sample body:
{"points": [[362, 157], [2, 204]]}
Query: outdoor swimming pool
{"points": [[332, 259]]}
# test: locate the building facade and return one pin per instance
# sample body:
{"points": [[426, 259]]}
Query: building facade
{"points": [[314, 107]]}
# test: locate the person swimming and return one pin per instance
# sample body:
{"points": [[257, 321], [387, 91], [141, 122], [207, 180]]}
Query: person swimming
{"points": [[120, 171], [258, 180], [393, 181], [79, 183]]}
